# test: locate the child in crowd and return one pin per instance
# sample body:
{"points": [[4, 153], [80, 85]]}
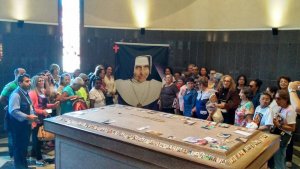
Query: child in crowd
{"points": [[215, 113], [244, 113], [263, 116]]}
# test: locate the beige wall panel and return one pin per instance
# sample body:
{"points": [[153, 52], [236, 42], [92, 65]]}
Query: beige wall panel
{"points": [[39, 11], [166, 14]]}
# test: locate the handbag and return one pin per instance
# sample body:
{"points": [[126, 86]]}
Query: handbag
{"points": [[45, 135], [217, 116], [284, 137], [175, 103], [79, 104]]}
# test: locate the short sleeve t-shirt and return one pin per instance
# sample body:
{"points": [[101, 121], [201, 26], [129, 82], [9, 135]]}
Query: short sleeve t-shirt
{"points": [[275, 108], [9, 88], [265, 114], [167, 95], [98, 97], [288, 115], [66, 106]]}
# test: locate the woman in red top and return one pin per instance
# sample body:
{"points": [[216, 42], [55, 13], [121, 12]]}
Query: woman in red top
{"points": [[42, 110]]}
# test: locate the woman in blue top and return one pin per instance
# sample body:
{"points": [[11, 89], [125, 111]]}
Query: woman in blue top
{"points": [[69, 95], [189, 98], [202, 97]]}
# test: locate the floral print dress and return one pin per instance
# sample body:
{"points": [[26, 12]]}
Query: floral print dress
{"points": [[241, 112]]}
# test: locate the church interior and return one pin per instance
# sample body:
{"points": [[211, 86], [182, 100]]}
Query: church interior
{"points": [[131, 84]]}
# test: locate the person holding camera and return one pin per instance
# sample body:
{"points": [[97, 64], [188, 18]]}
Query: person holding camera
{"points": [[293, 89], [295, 101], [284, 124]]}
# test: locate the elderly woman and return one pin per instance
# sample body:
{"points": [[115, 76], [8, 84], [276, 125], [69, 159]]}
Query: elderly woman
{"points": [[168, 95], [83, 92], [40, 104], [65, 80], [203, 96], [228, 98], [69, 95], [285, 121]]}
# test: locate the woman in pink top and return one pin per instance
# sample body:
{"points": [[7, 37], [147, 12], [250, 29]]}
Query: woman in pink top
{"points": [[40, 104]]}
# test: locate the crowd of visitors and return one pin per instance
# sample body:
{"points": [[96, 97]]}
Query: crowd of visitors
{"points": [[196, 92]]}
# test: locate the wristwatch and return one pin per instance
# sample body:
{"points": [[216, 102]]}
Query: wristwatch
{"points": [[291, 90]]}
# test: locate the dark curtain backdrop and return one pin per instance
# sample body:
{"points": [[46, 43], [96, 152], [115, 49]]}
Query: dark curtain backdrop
{"points": [[33, 47], [257, 54]]}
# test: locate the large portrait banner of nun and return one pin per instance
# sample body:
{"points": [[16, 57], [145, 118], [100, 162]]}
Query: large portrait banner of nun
{"points": [[138, 70]]}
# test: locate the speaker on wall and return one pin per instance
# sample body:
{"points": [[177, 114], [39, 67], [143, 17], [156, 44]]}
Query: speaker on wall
{"points": [[143, 31], [20, 23], [275, 31]]}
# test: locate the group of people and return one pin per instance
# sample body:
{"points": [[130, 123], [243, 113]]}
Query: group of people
{"points": [[194, 93], [29, 100], [216, 97]]}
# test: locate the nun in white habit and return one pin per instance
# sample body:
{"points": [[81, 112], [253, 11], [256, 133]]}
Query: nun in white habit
{"points": [[139, 91]]}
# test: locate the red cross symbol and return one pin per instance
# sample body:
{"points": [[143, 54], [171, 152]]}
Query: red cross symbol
{"points": [[116, 48]]}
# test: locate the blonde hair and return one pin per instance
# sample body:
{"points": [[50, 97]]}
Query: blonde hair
{"points": [[35, 81], [232, 86]]}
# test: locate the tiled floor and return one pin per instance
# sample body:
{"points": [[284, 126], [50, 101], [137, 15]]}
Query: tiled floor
{"points": [[5, 157]]}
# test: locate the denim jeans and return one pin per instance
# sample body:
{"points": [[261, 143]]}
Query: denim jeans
{"points": [[279, 158]]}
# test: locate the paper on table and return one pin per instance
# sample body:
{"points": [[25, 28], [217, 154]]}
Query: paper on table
{"points": [[242, 133], [191, 139], [49, 111], [143, 128], [210, 139], [167, 115]]}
